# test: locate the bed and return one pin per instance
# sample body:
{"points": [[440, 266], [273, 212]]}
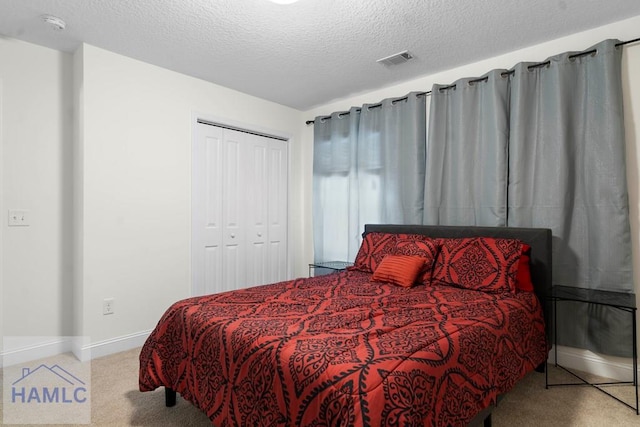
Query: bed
{"points": [[390, 341]]}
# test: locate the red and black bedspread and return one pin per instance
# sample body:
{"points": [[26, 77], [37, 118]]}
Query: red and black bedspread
{"points": [[344, 350]]}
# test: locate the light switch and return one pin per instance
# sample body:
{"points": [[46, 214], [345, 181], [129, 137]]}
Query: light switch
{"points": [[18, 218]]}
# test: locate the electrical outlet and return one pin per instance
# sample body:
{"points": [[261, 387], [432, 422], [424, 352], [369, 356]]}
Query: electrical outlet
{"points": [[108, 305]]}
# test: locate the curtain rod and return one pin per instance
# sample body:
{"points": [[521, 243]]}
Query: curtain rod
{"points": [[481, 79]]}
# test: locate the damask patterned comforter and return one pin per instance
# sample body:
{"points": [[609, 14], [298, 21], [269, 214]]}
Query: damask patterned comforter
{"points": [[343, 350]]}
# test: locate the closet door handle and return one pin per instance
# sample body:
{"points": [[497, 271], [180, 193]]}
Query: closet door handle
{"points": [[233, 236], [259, 234]]}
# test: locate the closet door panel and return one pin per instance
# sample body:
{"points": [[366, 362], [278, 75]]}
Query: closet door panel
{"points": [[207, 210], [213, 214], [278, 210], [257, 209], [234, 193]]}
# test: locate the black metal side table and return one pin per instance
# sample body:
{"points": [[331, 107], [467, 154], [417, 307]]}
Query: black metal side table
{"points": [[330, 265], [619, 300]]}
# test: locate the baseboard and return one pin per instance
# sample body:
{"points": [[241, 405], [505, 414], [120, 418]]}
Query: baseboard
{"points": [[617, 368], [111, 346], [33, 348], [39, 348]]}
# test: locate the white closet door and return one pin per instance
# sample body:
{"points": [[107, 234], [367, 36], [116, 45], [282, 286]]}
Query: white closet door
{"points": [[207, 252], [277, 217], [239, 210], [234, 190], [257, 209]]}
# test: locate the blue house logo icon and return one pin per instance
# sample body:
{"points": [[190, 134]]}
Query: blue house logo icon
{"points": [[48, 385]]}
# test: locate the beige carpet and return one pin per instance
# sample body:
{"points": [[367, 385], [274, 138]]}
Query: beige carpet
{"points": [[116, 401]]}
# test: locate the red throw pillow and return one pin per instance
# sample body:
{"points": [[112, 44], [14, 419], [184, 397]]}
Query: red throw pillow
{"points": [[375, 246], [420, 246], [400, 270], [479, 263], [523, 279]]}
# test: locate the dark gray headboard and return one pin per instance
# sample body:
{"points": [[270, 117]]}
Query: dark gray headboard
{"points": [[538, 238]]}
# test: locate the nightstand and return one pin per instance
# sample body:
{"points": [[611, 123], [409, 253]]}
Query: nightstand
{"points": [[329, 266], [619, 300]]}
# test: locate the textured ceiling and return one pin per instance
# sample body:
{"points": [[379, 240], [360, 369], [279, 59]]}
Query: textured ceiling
{"points": [[311, 52]]}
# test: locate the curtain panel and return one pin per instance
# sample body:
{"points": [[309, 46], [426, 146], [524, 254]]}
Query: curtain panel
{"points": [[368, 168], [466, 171], [567, 166], [567, 172], [391, 161], [335, 186]]}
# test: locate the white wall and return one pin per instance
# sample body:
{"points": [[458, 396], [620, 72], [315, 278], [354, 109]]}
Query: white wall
{"points": [[135, 146], [624, 30], [36, 175], [108, 192]]}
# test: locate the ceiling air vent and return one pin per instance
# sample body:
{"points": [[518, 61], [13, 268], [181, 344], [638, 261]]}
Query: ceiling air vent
{"points": [[396, 58]]}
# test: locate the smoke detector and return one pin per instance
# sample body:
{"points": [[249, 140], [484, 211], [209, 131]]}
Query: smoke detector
{"points": [[55, 22], [396, 58]]}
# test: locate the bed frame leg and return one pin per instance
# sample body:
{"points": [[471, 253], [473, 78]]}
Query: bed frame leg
{"points": [[169, 397], [487, 421]]}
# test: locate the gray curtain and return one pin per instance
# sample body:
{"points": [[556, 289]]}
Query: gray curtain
{"points": [[567, 172], [335, 186], [391, 152], [368, 168], [542, 148], [466, 172]]}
